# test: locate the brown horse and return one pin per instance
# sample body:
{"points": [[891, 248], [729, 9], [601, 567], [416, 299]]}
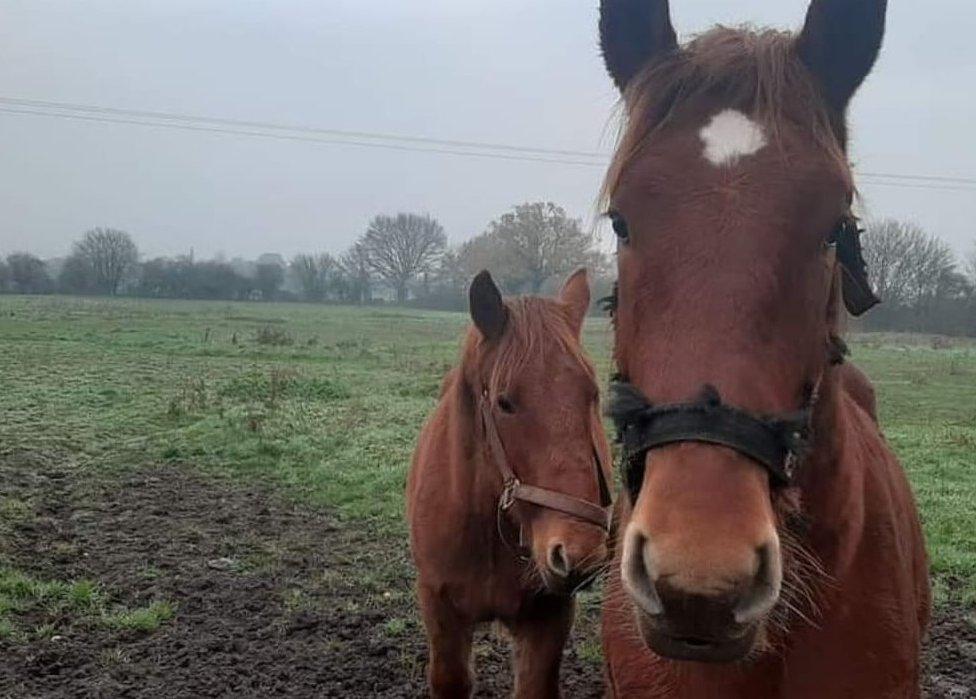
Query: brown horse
{"points": [[770, 545], [507, 498]]}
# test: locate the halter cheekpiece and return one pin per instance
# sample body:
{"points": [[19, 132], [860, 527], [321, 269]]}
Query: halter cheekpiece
{"points": [[514, 490]]}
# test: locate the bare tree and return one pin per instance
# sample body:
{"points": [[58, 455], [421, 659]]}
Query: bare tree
{"points": [[885, 244], [970, 270], [402, 247], [77, 276], [452, 273], [4, 277], [533, 243], [314, 273], [919, 278], [109, 254], [937, 276], [354, 264], [906, 265]]}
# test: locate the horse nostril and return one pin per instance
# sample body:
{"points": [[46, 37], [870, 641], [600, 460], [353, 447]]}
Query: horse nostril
{"points": [[637, 575], [559, 561], [766, 586]]}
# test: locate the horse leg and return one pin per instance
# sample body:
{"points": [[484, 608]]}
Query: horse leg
{"points": [[540, 634], [449, 639]]}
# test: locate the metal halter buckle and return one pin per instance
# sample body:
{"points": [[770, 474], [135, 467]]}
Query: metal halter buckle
{"points": [[507, 498]]}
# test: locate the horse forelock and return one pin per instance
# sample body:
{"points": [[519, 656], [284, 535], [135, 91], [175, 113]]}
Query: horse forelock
{"points": [[536, 328], [756, 72]]}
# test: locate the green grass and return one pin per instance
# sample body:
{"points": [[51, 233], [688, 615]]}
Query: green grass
{"points": [[396, 626], [144, 619], [927, 401], [332, 415], [13, 512], [18, 592], [45, 608], [109, 382]]}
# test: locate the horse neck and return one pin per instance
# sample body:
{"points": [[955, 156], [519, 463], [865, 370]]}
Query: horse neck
{"points": [[475, 480], [833, 481], [484, 537]]}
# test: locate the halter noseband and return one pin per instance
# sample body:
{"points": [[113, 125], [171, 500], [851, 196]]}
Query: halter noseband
{"points": [[773, 442], [514, 490]]}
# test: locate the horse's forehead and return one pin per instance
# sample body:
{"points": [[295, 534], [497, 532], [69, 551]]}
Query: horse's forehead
{"points": [[706, 146], [555, 364], [729, 136]]}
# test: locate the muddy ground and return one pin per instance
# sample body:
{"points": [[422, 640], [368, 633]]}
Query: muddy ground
{"points": [[270, 598]]}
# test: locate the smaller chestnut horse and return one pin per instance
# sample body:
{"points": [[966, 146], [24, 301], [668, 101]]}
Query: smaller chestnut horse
{"points": [[508, 498]]}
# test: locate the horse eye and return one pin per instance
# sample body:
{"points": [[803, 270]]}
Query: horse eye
{"points": [[619, 226], [506, 405]]}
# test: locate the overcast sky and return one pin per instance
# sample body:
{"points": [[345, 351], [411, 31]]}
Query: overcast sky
{"points": [[523, 72]]}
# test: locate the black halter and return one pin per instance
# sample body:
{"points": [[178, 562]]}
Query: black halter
{"points": [[776, 443]]}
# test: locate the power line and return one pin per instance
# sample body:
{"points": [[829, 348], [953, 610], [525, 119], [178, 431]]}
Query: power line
{"points": [[932, 178], [482, 149], [272, 126], [916, 185], [296, 137]]}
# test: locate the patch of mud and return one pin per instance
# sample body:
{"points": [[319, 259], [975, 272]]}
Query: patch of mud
{"points": [[950, 657], [271, 599]]}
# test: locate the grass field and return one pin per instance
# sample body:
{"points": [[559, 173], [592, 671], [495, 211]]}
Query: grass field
{"points": [[326, 402]]}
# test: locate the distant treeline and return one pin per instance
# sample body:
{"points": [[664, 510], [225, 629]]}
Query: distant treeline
{"points": [[923, 285], [405, 259]]}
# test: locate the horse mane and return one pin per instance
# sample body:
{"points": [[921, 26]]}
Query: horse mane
{"points": [[758, 72], [535, 326]]}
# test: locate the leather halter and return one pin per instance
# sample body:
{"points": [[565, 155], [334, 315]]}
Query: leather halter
{"points": [[514, 490]]}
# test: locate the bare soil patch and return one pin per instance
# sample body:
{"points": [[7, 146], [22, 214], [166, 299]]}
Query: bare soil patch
{"points": [[271, 598]]}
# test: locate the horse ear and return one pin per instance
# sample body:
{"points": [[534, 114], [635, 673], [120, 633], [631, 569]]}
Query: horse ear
{"points": [[632, 34], [576, 295], [840, 42], [487, 308]]}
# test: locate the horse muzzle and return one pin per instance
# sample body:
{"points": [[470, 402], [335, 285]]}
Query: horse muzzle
{"points": [[701, 630]]}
